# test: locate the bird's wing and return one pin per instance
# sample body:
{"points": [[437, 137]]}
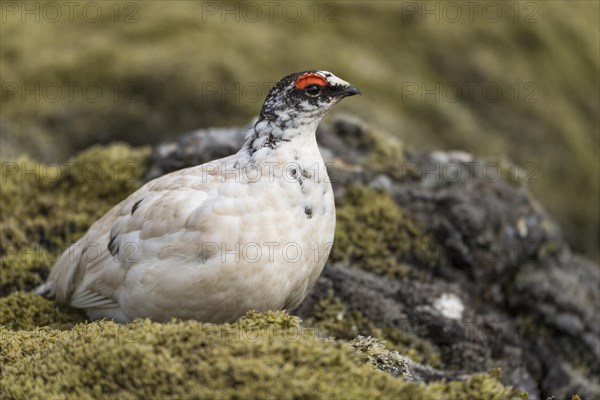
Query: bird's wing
{"points": [[135, 231]]}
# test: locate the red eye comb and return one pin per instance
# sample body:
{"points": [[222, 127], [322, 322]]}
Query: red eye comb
{"points": [[309, 79]]}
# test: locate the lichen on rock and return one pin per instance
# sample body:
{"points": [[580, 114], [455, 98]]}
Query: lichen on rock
{"points": [[375, 353]]}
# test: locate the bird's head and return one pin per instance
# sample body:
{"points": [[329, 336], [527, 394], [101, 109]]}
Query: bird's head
{"points": [[303, 98]]}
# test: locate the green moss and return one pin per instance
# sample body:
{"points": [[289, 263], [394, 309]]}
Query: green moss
{"points": [[190, 359], [18, 345], [374, 233], [254, 320], [22, 268], [45, 207], [524, 395], [52, 203], [27, 311], [478, 386]]}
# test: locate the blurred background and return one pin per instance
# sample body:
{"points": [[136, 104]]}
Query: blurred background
{"points": [[514, 80]]}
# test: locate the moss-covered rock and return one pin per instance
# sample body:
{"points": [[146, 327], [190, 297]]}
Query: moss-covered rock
{"points": [[47, 206], [373, 232]]}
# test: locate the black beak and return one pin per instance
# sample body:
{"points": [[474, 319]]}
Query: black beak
{"points": [[351, 91]]}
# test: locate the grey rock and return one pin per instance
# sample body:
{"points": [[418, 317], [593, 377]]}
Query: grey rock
{"points": [[194, 148]]}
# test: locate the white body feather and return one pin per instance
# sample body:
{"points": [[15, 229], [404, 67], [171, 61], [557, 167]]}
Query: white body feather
{"points": [[208, 242]]}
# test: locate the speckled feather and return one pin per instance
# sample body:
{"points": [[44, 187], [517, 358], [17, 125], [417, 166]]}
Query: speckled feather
{"points": [[249, 231]]}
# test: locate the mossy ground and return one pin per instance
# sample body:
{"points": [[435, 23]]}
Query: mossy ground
{"points": [[48, 351], [28, 311], [261, 356]]}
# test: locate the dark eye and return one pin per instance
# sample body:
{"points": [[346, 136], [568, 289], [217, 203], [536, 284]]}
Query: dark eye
{"points": [[313, 90]]}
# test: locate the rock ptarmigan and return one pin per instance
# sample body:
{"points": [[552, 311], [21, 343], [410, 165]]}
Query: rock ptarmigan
{"points": [[251, 231]]}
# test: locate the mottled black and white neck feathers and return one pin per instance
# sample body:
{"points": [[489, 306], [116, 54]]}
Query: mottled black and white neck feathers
{"points": [[295, 106]]}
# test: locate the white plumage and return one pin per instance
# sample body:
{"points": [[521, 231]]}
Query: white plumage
{"points": [[249, 231]]}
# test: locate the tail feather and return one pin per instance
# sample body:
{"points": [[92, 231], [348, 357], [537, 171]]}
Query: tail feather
{"points": [[45, 290], [59, 284]]}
